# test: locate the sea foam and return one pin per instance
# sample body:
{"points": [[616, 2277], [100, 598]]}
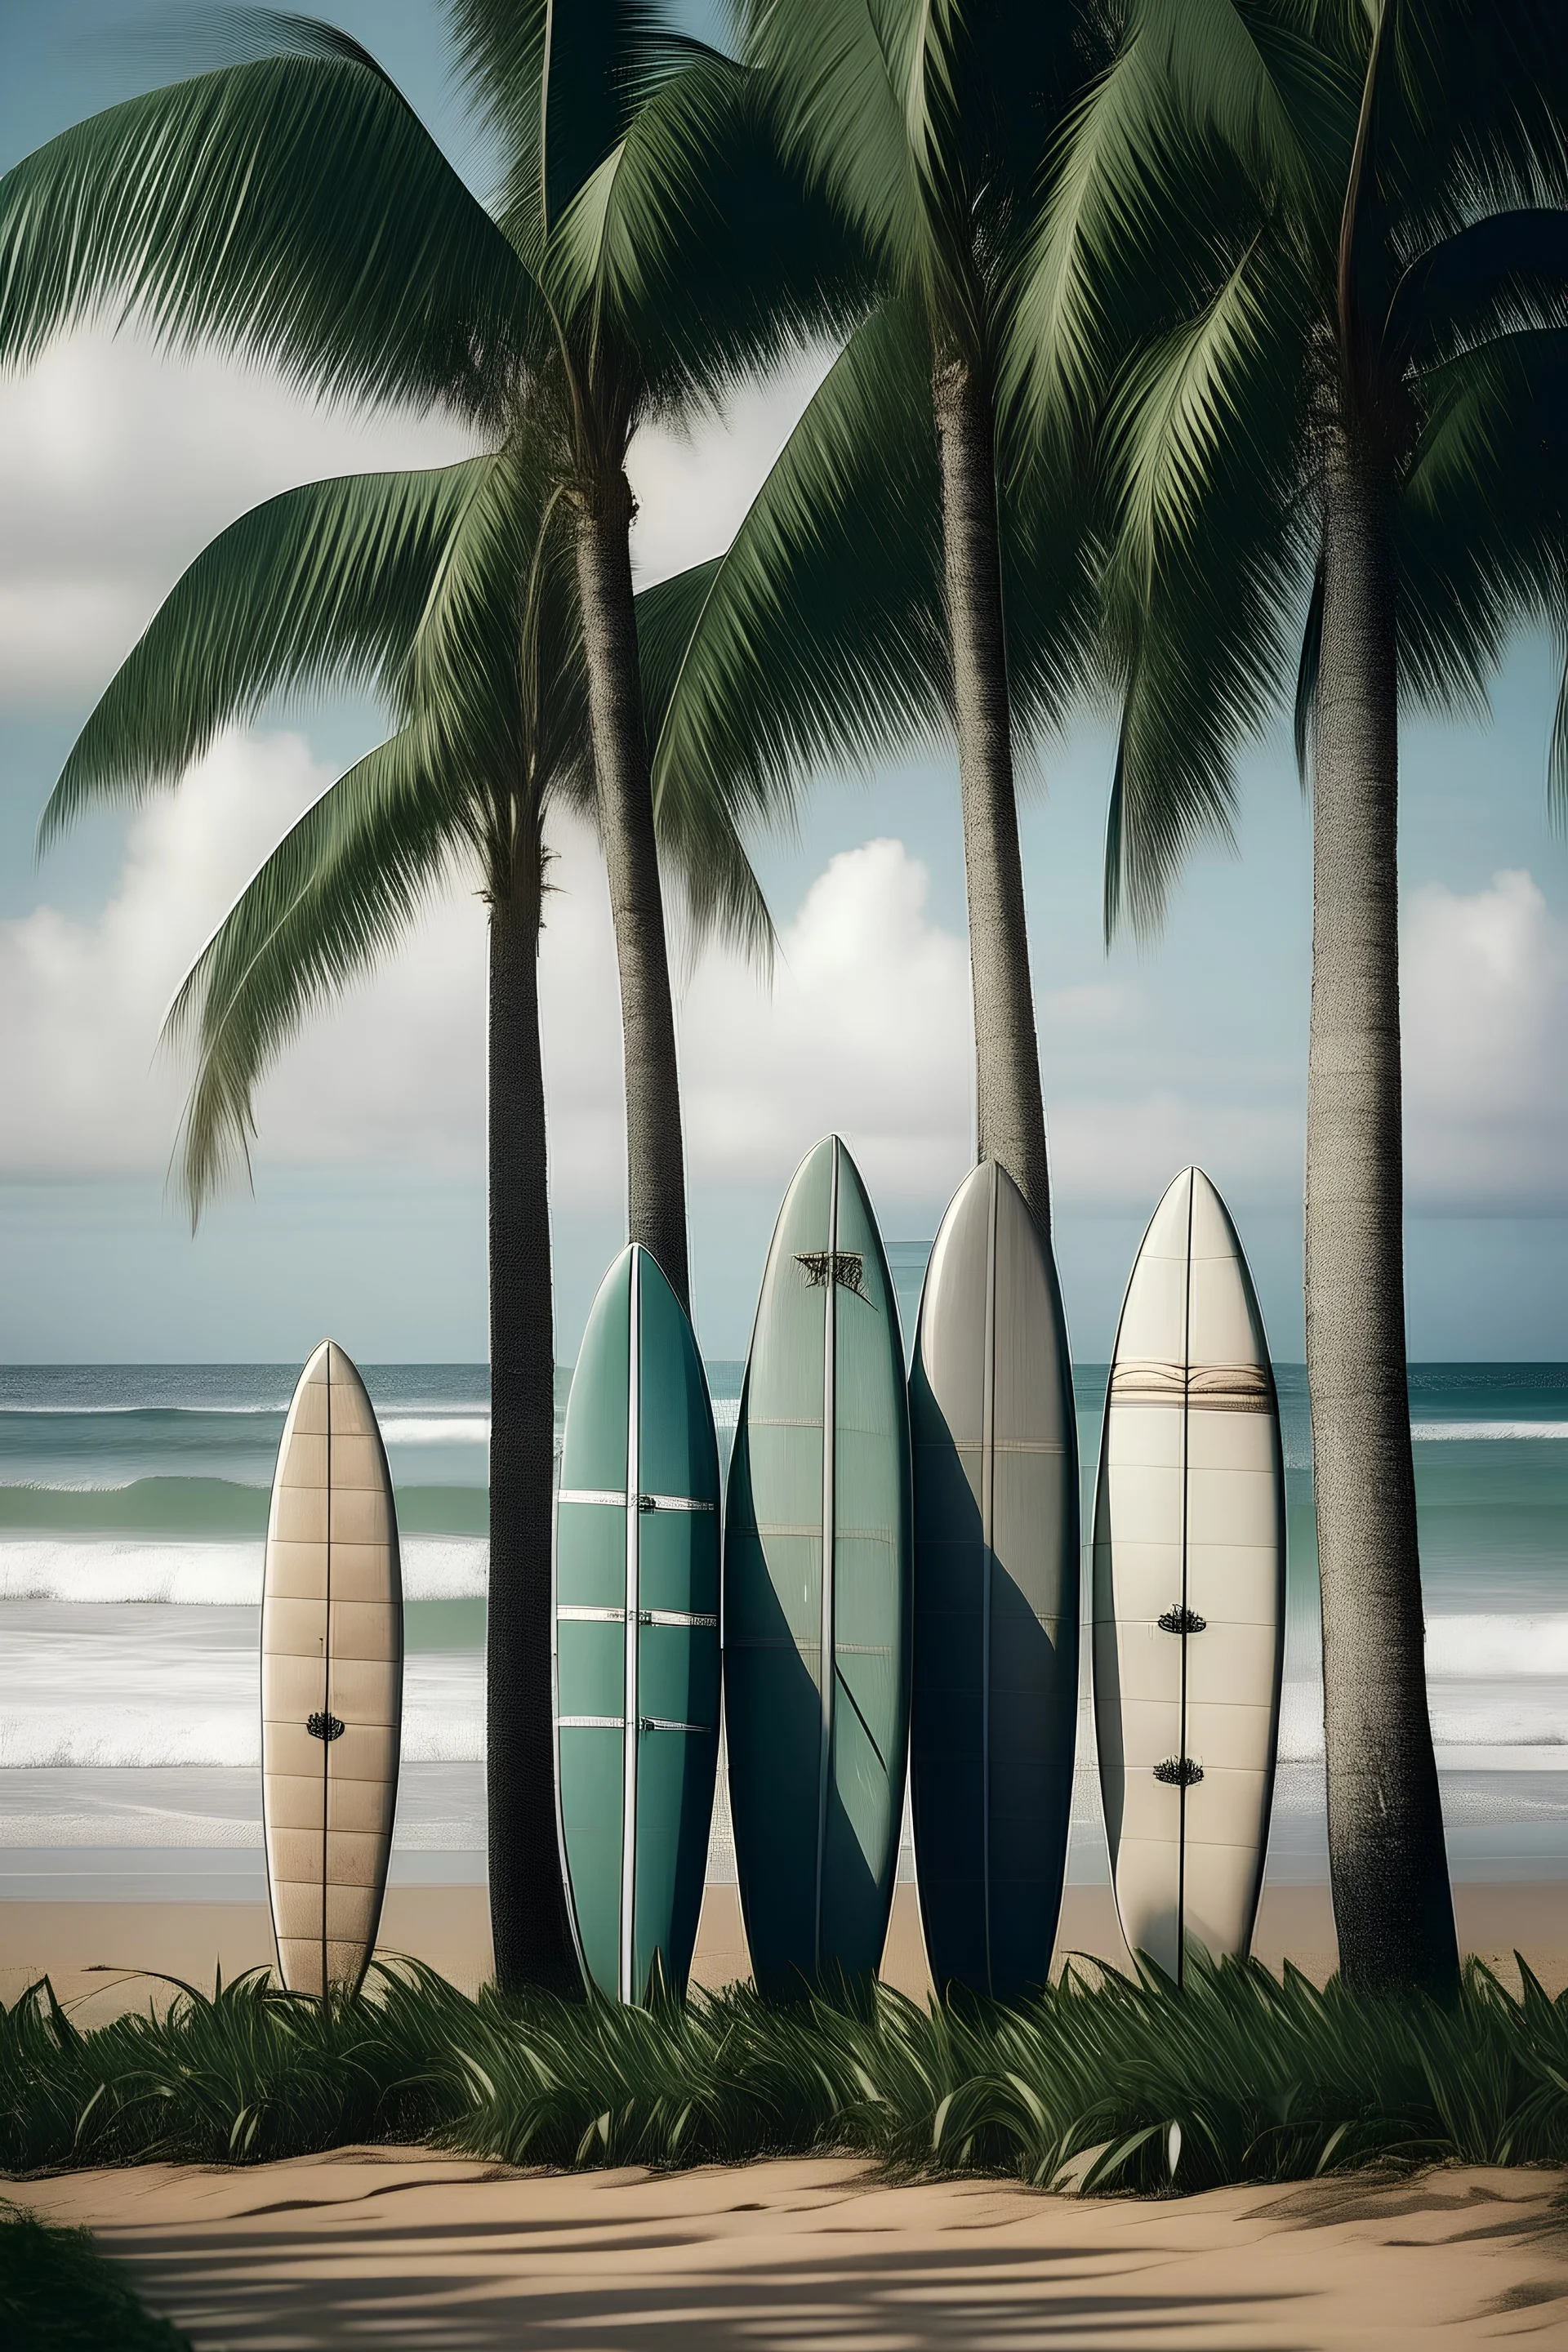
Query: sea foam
{"points": [[1498, 1649], [1434, 1433], [200, 1708], [437, 1429], [212, 1575]]}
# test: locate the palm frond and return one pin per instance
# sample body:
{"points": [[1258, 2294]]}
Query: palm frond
{"points": [[1253, 106], [331, 901], [1173, 782], [693, 257], [560, 85], [292, 208], [819, 636], [1483, 96], [1304, 719], [325, 585], [1180, 403], [1482, 519], [1203, 587], [1557, 747], [843, 115], [1490, 277], [715, 887], [495, 672]]}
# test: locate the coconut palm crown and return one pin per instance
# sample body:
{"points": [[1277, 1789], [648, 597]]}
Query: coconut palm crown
{"points": [[1304, 262], [645, 248], [879, 591]]}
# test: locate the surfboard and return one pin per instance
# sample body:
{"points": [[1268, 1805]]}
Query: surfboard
{"points": [[636, 1635], [331, 1679], [995, 1711], [1189, 1588], [817, 1591]]}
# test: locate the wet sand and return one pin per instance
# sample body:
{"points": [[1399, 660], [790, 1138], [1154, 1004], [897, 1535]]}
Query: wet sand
{"points": [[382, 2246]]}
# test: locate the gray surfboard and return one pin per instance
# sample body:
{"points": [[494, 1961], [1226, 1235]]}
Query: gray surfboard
{"points": [[996, 1594]]}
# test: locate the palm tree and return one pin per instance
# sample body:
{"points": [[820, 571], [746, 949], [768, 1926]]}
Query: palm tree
{"points": [[453, 594], [1309, 259], [878, 590], [643, 250]]}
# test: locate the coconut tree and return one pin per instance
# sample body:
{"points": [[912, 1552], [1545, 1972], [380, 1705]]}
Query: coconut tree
{"points": [[1308, 260], [452, 594], [880, 590], [643, 249]]}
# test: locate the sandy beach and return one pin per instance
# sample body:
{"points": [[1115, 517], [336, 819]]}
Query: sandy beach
{"points": [[448, 1926], [375, 2246]]}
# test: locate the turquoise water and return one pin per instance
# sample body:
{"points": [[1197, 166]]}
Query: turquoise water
{"points": [[134, 1500]]}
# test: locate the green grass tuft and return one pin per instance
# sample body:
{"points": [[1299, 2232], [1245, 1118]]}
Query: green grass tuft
{"points": [[58, 2294], [1105, 2082]]}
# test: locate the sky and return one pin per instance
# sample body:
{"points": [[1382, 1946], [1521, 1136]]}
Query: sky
{"points": [[366, 1213]]}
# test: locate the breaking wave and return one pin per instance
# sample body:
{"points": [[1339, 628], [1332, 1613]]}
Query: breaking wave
{"points": [[1433, 1432], [211, 1575]]}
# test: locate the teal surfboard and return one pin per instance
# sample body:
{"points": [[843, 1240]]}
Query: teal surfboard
{"points": [[995, 1712], [817, 1591], [636, 1635]]}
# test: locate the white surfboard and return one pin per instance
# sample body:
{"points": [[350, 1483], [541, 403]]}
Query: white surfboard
{"points": [[331, 1679], [1189, 1588]]}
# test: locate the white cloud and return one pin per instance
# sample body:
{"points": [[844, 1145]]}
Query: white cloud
{"points": [[81, 1078], [693, 486], [1484, 984], [1120, 1153], [117, 466], [866, 1032], [397, 1068], [866, 1029]]}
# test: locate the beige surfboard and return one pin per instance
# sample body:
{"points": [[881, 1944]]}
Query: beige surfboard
{"points": [[1189, 1588], [331, 1679]]}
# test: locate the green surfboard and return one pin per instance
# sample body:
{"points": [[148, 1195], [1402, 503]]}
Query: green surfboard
{"points": [[816, 1631], [636, 1635]]}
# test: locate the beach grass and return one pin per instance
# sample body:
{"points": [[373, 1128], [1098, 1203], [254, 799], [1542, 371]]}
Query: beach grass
{"points": [[1104, 2082], [58, 2294]]}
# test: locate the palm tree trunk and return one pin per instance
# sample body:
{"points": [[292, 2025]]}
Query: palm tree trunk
{"points": [[1393, 1907], [656, 1170], [527, 1909], [1012, 1116]]}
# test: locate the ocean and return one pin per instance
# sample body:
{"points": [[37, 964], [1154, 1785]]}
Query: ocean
{"points": [[134, 1503]]}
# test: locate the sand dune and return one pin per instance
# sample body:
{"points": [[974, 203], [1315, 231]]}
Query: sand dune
{"points": [[382, 2246]]}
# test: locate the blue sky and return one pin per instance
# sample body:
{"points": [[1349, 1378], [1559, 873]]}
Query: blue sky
{"points": [[368, 1212]]}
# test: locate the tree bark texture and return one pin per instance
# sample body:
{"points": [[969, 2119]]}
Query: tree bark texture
{"points": [[528, 1904], [1011, 1109], [656, 1167], [1393, 1907]]}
